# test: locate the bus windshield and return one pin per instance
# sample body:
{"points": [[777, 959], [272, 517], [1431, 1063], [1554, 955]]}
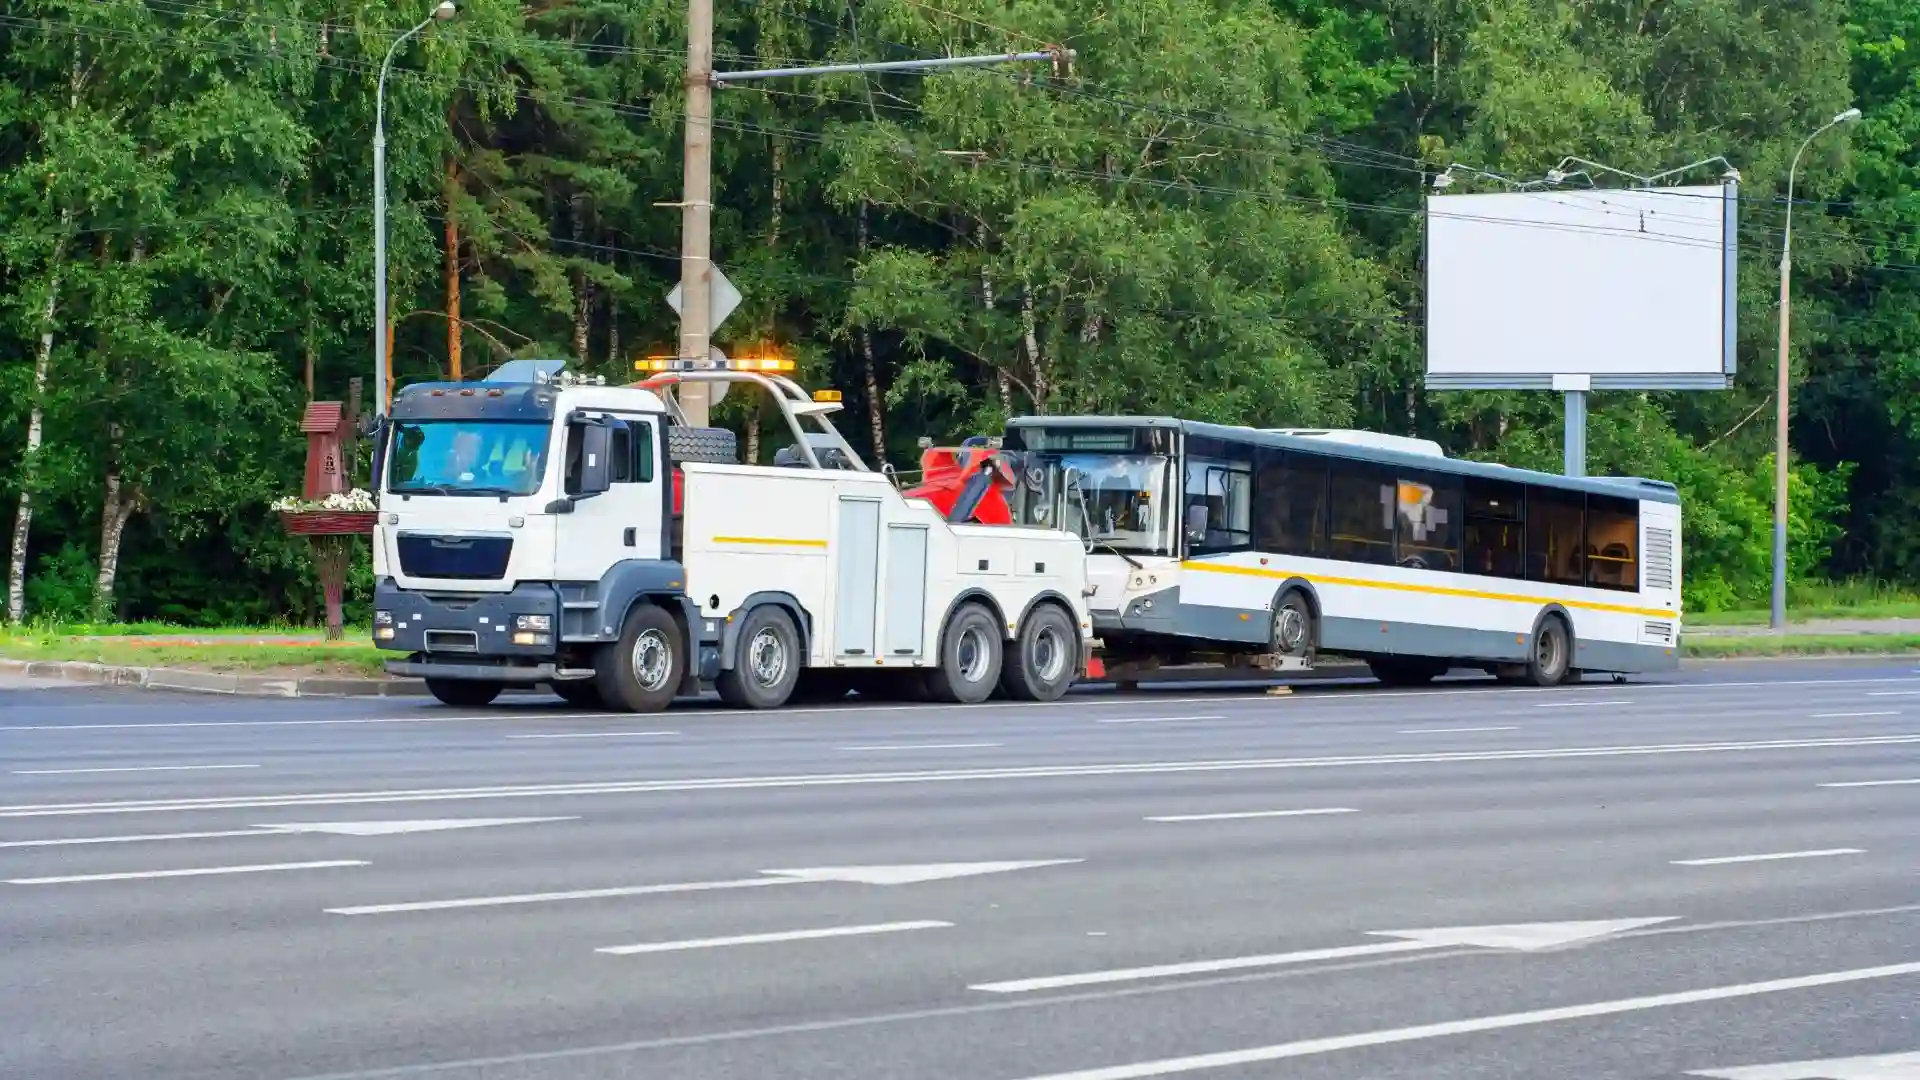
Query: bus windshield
{"points": [[467, 457], [1116, 502]]}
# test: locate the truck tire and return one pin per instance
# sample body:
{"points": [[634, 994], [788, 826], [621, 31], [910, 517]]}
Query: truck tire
{"points": [[712, 444], [1045, 657], [464, 693], [580, 693], [970, 658], [640, 672], [767, 664]]}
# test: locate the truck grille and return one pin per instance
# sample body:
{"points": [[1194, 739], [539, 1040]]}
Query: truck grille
{"points": [[470, 558]]}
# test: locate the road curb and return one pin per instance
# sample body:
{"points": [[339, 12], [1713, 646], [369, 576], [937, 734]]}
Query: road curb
{"points": [[181, 680]]}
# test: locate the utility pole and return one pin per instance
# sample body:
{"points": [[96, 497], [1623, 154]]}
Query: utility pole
{"points": [[1777, 617], [696, 209], [696, 196]]}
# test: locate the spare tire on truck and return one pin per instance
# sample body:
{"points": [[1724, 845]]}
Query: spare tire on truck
{"points": [[712, 444]]}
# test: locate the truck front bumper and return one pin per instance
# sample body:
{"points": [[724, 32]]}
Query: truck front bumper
{"points": [[468, 628]]}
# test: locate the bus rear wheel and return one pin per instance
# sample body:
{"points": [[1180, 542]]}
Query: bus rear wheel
{"points": [[1551, 658]]}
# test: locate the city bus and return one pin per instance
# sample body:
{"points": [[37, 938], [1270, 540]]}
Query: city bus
{"points": [[1270, 546]]}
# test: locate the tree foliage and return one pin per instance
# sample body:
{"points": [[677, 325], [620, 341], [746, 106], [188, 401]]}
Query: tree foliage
{"points": [[1212, 211]]}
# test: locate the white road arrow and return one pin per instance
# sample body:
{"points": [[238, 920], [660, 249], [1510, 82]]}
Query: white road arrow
{"points": [[1880, 1067], [391, 828], [1518, 936], [859, 875]]}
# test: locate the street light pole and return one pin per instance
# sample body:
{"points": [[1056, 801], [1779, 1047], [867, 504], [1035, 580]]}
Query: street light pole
{"points": [[441, 13], [1778, 620]]}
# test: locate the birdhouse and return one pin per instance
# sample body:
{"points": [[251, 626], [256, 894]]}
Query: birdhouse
{"points": [[327, 428]]}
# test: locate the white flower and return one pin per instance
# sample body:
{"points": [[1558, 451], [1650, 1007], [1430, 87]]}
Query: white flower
{"points": [[355, 501]]}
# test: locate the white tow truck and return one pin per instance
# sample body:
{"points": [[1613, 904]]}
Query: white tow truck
{"points": [[545, 529]]}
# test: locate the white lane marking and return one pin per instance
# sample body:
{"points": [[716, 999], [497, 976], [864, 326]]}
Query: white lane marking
{"points": [[1771, 857], [1524, 937], [1452, 730], [1871, 783], [1580, 704], [1155, 719], [169, 725], [70, 841], [596, 735], [1893, 693], [337, 828], [127, 768], [198, 871], [861, 875], [1845, 715], [1250, 814], [395, 828], [1878, 1067], [930, 776], [550, 897], [768, 939], [923, 746], [1335, 1044]]}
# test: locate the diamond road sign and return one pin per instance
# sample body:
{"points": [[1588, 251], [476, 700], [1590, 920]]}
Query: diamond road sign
{"points": [[724, 299]]}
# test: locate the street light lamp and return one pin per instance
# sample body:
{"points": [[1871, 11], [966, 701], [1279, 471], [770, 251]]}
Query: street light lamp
{"points": [[441, 13], [1779, 616]]}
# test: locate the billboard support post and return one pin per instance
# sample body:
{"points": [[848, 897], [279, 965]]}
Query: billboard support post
{"points": [[1576, 436]]}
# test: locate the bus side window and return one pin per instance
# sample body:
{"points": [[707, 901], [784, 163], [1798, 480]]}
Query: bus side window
{"points": [[1613, 535], [1219, 505], [1427, 519], [1291, 493], [1361, 498], [1556, 540], [1493, 543]]}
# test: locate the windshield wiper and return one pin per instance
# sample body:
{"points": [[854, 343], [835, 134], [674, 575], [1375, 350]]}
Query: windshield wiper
{"points": [[449, 489], [1106, 542]]}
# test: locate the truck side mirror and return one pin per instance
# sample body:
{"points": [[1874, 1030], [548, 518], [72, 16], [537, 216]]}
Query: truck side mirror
{"points": [[596, 458]]}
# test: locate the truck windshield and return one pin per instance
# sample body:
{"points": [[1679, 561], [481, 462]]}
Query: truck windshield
{"points": [[1116, 502], [467, 457]]}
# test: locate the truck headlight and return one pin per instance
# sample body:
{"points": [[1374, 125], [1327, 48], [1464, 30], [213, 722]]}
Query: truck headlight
{"points": [[533, 622], [528, 637], [383, 618]]}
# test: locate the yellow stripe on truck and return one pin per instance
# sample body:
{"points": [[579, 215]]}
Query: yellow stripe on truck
{"points": [[1431, 590], [769, 541]]}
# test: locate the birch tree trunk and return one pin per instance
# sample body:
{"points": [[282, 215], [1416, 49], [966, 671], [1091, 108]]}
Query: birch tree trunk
{"points": [[1029, 338], [583, 287], [118, 504], [23, 517], [1002, 385]]}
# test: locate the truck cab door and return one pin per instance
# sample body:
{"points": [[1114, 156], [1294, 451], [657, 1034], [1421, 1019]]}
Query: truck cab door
{"points": [[617, 487]]}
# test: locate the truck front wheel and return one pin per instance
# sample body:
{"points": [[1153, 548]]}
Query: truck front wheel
{"points": [[640, 672], [464, 693]]}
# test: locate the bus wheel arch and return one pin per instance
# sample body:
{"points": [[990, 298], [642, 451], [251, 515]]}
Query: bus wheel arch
{"points": [[1550, 648], [1295, 626]]}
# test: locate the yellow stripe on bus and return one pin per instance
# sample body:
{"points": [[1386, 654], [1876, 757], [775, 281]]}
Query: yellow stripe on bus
{"points": [[769, 541], [1431, 590]]}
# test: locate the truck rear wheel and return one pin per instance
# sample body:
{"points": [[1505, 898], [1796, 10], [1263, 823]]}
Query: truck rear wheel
{"points": [[464, 693], [970, 658], [1044, 658], [768, 662], [640, 672]]}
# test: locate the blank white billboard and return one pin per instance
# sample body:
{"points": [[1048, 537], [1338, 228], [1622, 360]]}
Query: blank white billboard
{"points": [[1589, 289]]}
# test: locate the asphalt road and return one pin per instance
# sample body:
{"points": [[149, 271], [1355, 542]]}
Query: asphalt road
{"points": [[1713, 875]]}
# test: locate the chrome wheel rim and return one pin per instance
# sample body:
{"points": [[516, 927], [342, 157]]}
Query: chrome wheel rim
{"points": [[1547, 651], [767, 657], [972, 651], [1049, 653], [652, 660], [1289, 629]]}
